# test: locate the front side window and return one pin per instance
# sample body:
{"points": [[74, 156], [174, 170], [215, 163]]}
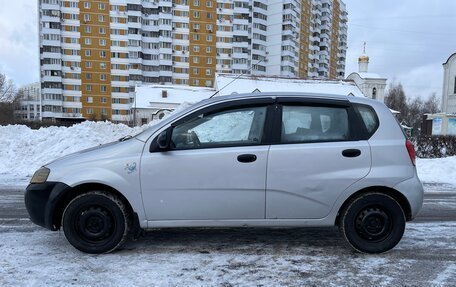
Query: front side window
{"points": [[235, 127], [302, 124]]}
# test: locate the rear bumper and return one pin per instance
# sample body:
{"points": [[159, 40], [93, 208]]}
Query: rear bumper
{"points": [[41, 200], [413, 190]]}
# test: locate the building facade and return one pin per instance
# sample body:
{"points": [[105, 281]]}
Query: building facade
{"points": [[30, 103], [449, 85], [93, 53]]}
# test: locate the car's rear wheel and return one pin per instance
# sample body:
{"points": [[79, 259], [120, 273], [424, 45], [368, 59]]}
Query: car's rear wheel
{"points": [[96, 222], [372, 223]]}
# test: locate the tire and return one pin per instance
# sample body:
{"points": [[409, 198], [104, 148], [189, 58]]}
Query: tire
{"points": [[96, 222], [372, 223]]}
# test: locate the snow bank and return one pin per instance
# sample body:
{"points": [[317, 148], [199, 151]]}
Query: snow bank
{"points": [[437, 170], [23, 150]]}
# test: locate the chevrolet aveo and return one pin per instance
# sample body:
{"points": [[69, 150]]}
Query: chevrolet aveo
{"points": [[255, 160]]}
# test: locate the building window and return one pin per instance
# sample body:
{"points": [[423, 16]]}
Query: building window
{"points": [[196, 37], [196, 14], [208, 72], [104, 112], [374, 93], [89, 111], [102, 54], [103, 66], [195, 60], [101, 18], [209, 61], [86, 17], [88, 76], [88, 88], [88, 53], [102, 30], [208, 49], [89, 100], [88, 41], [101, 6], [102, 42], [209, 38], [88, 29], [87, 5], [102, 77], [196, 49], [88, 65], [103, 89], [196, 3], [195, 71], [208, 3]]}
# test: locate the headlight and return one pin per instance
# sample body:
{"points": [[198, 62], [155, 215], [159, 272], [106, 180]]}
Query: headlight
{"points": [[40, 175]]}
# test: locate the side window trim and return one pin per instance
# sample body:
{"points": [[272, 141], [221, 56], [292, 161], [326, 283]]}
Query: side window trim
{"points": [[261, 102]]}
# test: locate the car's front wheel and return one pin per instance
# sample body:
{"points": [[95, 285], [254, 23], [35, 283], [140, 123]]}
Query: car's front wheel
{"points": [[372, 223], [96, 222]]}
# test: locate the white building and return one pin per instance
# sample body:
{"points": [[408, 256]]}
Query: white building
{"points": [[449, 86], [152, 102], [30, 103], [371, 85]]}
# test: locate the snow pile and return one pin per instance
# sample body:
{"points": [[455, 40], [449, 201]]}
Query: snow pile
{"points": [[23, 150], [437, 170]]}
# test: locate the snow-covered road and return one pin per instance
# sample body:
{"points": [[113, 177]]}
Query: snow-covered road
{"points": [[426, 256]]}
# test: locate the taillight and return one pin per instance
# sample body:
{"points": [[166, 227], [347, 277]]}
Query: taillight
{"points": [[411, 151]]}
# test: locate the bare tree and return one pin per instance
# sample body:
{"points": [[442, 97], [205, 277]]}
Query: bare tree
{"points": [[7, 89], [9, 100], [396, 100], [432, 105]]}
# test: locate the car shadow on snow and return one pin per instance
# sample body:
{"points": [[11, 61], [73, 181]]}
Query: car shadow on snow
{"points": [[242, 240]]}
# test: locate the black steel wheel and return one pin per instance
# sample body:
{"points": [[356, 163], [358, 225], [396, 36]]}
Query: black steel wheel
{"points": [[96, 222], [372, 223]]}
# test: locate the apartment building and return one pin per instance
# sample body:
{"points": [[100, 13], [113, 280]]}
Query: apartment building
{"points": [[30, 106], [93, 53]]}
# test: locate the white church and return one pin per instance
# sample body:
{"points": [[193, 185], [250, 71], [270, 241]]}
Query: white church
{"points": [[371, 85]]}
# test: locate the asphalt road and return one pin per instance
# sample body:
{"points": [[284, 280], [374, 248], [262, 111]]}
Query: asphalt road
{"points": [[426, 256]]}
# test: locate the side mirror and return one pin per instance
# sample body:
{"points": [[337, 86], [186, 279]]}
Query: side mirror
{"points": [[163, 140]]}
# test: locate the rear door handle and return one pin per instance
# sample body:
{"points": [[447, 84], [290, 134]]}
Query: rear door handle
{"points": [[246, 158], [351, 153]]}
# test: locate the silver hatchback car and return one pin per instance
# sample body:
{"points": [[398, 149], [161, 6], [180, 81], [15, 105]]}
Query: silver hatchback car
{"points": [[253, 160]]}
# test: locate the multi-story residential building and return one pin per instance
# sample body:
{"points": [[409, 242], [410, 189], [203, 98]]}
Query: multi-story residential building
{"points": [[30, 106], [94, 52]]}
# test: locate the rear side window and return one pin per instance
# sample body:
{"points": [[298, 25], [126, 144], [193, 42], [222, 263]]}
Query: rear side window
{"points": [[369, 118], [313, 124]]}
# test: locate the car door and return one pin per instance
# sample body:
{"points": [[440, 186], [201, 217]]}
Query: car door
{"points": [[317, 156], [215, 168]]}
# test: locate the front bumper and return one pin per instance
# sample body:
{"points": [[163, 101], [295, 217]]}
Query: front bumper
{"points": [[41, 200]]}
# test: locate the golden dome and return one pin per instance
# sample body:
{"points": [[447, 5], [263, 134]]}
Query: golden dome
{"points": [[363, 58]]}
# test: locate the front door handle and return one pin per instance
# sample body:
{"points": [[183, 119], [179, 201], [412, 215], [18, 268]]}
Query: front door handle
{"points": [[351, 153], [245, 158]]}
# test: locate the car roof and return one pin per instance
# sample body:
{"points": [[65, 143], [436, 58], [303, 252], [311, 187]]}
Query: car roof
{"points": [[217, 98]]}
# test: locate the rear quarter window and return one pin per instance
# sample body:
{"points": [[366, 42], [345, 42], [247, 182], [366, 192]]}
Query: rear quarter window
{"points": [[369, 118]]}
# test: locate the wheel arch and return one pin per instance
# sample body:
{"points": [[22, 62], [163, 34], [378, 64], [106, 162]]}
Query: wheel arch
{"points": [[396, 195], [77, 190]]}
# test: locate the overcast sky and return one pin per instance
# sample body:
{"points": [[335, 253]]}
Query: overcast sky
{"points": [[407, 40]]}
